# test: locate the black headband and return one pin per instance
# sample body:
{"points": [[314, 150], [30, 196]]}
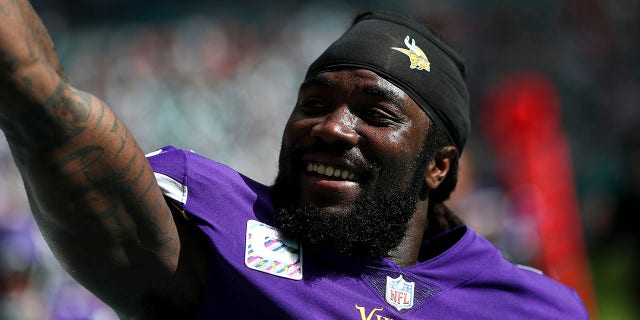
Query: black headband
{"points": [[411, 57]]}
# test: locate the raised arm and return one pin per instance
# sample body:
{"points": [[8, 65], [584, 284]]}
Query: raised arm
{"points": [[90, 187]]}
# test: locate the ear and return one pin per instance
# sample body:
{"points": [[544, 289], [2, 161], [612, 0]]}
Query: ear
{"points": [[438, 167]]}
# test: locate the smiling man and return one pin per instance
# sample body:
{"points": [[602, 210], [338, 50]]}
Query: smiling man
{"points": [[354, 226], [351, 163]]}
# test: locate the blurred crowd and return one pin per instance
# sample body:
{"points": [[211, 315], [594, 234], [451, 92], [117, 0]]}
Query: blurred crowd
{"points": [[221, 78]]}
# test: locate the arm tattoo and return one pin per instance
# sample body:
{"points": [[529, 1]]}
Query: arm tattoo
{"points": [[62, 118], [99, 122], [81, 158], [115, 126], [4, 10]]}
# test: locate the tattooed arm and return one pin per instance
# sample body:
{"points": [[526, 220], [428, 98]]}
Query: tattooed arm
{"points": [[90, 187]]}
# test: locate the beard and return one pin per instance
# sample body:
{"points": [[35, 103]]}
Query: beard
{"points": [[370, 227]]}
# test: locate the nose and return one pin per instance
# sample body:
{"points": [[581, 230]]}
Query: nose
{"points": [[337, 127]]}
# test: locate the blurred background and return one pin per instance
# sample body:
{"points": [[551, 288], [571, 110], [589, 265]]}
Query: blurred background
{"points": [[551, 173]]}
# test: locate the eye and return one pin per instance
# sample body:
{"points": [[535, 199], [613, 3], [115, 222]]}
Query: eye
{"points": [[379, 117], [312, 106]]}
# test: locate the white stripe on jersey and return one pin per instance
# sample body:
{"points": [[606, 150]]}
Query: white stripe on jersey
{"points": [[172, 188]]}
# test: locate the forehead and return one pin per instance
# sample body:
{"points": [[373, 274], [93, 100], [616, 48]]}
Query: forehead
{"points": [[355, 79], [363, 83]]}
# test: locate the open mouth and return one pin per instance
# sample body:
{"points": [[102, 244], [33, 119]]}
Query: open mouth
{"points": [[331, 171]]}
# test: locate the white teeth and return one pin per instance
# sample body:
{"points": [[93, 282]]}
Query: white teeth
{"points": [[330, 171]]}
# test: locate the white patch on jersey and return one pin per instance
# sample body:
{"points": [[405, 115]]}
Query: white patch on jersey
{"points": [[521, 266], [172, 188], [267, 250], [153, 153]]}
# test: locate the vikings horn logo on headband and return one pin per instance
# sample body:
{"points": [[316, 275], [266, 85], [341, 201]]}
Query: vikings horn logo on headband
{"points": [[370, 43], [416, 55]]}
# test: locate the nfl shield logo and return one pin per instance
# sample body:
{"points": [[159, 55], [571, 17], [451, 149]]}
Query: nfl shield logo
{"points": [[399, 293]]}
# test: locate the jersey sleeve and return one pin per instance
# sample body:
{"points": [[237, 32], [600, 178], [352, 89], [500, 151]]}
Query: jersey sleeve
{"points": [[206, 190]]}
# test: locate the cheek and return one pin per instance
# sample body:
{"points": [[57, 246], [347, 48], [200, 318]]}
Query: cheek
{"points": [[397, 153], [399, 141], [295, 131], [396, 145]]}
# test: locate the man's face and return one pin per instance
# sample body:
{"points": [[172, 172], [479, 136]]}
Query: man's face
{"points": [[352, 154]]}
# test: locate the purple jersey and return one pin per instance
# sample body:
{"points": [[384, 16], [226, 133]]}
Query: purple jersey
{"points": [[256, 273]]}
